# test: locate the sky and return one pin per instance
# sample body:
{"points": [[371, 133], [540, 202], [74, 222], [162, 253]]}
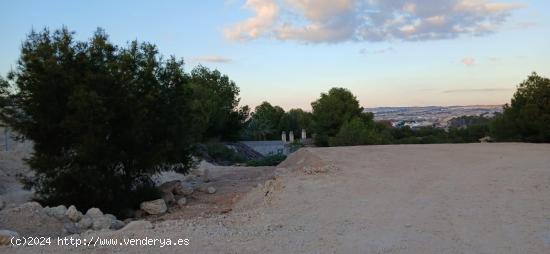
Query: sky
{"points": [[287, 52]]}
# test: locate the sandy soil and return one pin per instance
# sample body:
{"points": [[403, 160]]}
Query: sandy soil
{"points": [[468, 198]]}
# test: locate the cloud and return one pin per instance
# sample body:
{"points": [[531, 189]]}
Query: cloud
{"points": [[468, 61], [212, 59], [333, 21], [376, 51], [478, 90], [266, 11]]}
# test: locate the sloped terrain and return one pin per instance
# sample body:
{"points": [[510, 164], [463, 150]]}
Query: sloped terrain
{"points": [[464, 198]]}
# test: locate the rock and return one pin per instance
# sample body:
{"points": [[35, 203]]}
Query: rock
{"points": [[2, 203], [85, 223], [110, 216], [157, 206], [94, 213], [183, 188], [206, 175], [137, 225], [168, 197], [73, 214], [139, 213], [117, 224], [168, 187], [71, 228], [210, 190], [101, 223], [207, 189], [5, 237], [58, 212], [182, 202]]}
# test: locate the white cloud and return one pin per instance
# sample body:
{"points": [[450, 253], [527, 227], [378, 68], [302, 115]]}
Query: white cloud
{"points": [[317, 21], [468, 61], [212, 59], [266, 11]]}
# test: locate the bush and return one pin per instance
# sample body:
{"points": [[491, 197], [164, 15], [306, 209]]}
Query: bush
{"points": [[355, 132], [102, 118], [270, 160], [221, 154]]}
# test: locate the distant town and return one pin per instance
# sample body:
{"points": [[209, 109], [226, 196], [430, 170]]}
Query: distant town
{"points": [[436, 116]]}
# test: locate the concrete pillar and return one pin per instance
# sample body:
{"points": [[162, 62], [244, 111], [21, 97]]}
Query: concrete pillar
{"points": [[304, 135], [291, 136], [283, 137]]}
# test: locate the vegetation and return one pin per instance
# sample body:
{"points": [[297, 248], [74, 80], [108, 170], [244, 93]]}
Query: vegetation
{"points": [[103, 118], [267, 122], [527, 117], [270, 160], [221, 154]]}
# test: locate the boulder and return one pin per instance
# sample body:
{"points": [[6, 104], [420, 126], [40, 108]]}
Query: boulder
{"points": [[94, 213], [157, 206], [101, 223], [110, 216], [58, 212], [137, 225], [5, 237], [168, 187], [117, 224], [71, 228], [182, 202], [73, 214], [168, 197], [183, 188], [85, 223]]}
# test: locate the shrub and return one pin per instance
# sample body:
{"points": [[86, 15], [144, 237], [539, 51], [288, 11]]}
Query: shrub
{"points": [[221, 154], [270, 160], [355, 132]]}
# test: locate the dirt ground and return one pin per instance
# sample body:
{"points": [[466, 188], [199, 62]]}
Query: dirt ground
{"points": [[463, 198]]}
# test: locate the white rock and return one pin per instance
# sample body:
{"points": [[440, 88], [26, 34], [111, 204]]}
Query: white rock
{"points": [[94, 213], [137, 225], [73, 214], [57, 212], [157, 206], [85, 223], [110, 216], [101, 223], [5, 237], [182, 202], [71, 228], [210, 190]]}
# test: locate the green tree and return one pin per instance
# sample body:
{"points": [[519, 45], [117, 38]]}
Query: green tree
{"points": [[265, 121], [527, 117], [216, 97], [356, 131], [102, 118], [295, 120], [331, 111]]}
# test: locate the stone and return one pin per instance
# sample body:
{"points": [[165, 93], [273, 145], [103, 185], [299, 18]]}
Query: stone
{"points": [[73, 214], [101, 223], [157, 206], [57, 212], [210, 190], [110, 216], [182, 202], [117, 224], [6, 235], [169, 186], [71, 228], [206, 175], [94, 213], [85, 223], [168, 197], [137, 225], [184, 188]]}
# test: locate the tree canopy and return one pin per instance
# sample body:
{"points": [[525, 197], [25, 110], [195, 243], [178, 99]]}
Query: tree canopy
{"points": [[103, 118]]}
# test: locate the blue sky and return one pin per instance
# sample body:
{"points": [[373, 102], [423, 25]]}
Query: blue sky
{"points": [[388, 53]]}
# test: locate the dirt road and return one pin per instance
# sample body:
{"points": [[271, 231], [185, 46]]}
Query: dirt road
{"points": [[467, 198]]}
